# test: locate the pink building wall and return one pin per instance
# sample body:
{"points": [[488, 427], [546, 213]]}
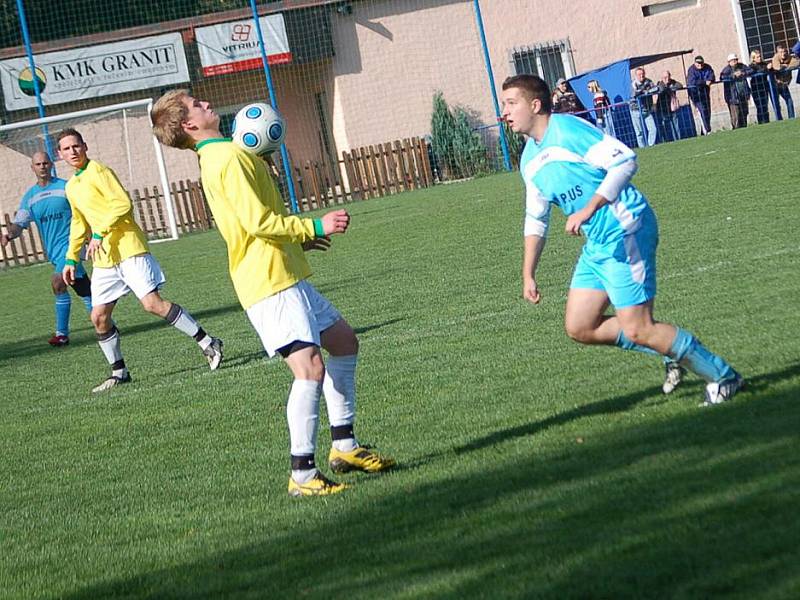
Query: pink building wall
{"points": [[392, 55]]}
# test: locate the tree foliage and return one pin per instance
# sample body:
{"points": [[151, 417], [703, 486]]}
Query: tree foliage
{"points": [[459, 151]]}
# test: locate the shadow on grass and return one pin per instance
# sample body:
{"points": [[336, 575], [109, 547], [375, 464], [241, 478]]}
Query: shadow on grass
{"points": [[249, 357], [38, 345], [367, 328], [615, 405], [697, 506]]}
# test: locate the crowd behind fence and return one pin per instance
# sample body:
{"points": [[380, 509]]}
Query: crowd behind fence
{"points": [[673, 111]]}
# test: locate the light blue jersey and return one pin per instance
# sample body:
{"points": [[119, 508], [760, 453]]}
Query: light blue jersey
{"points": [[48, 207], [567, 168]]}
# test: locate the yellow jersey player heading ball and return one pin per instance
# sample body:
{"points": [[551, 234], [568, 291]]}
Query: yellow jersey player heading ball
{"points": [[270, 277]]}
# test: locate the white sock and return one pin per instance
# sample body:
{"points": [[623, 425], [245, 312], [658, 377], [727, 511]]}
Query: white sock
{"points": [[339, 387], [303, 476], [109, 344], [302, 414]]}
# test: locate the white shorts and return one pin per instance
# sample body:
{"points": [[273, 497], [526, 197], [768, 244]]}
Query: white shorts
{"points": [[297, 314], [139, 274]]}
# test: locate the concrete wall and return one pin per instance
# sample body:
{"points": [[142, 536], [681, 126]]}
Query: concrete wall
{"points": [[392, 55]]}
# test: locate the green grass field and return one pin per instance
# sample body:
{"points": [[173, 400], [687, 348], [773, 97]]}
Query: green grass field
{"points": [[531, 467]]}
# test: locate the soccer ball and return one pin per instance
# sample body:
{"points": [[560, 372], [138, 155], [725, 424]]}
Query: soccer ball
{"points": [[259, 128]]}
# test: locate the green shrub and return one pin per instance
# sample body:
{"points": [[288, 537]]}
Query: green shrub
{"points": [[459, 151]]}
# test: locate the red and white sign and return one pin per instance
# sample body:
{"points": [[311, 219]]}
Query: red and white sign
{"points": [[234, 46]]}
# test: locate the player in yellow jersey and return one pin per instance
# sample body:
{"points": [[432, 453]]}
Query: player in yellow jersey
{"points": [[122, 261], [269, 272]]}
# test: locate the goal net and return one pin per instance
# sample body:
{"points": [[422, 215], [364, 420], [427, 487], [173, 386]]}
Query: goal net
{"points": [[117, 135]]}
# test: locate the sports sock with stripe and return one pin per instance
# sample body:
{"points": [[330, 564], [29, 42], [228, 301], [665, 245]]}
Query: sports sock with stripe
{"points": [[63, 304], [110, 345], [302, 415], [184, 322], [339, 387], [689, 352]]}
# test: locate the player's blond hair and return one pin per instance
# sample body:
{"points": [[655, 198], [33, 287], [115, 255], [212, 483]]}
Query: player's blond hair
{"points": [[168, 114], [594, 86]]}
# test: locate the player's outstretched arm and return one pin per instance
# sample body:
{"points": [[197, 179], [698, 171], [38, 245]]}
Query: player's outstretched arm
{"points": [[256, 216], [533, 247]]}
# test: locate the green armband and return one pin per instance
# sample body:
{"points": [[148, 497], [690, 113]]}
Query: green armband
{"points": [[97, 236], [71, 263], [318, 229]]}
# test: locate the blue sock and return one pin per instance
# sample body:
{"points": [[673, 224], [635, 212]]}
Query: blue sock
{"points": [[63, 302], [687, 350], [87, 302], [624, 343]]}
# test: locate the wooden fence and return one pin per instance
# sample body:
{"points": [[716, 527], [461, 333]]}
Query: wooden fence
{"points": [[191, 213], [361, 174], [364, 173]]}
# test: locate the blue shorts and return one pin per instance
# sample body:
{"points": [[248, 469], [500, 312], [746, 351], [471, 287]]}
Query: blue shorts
{"points": [[625, 269], [59, 263]]}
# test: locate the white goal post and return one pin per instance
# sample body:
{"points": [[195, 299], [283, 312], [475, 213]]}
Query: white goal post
{"points": [[125, 109]]}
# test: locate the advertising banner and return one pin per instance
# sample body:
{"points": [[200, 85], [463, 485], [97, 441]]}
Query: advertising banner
{"points": [[232, 47], [94, 71]]}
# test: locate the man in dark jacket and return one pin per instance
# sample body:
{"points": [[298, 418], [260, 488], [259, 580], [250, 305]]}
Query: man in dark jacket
{"points": [[737, 90], [699, 78]]}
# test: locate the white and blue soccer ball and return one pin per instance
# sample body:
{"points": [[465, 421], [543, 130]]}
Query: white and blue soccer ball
{"points": [[259, 128]]}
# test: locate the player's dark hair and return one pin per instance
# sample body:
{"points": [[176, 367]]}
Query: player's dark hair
{"points": [[69, 131], [534, 88]]}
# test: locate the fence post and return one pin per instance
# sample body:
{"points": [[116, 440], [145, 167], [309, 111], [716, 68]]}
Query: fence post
{"points": [[488, 64], [426, 163], [3, 248], [176, 206]]}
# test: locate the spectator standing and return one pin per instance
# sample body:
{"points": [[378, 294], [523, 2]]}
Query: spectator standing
{"points": [[759, 85], [602, 106], [781, 64], [564, 99], [668, 107], [737, 91], [699, 78], [642, 108]]}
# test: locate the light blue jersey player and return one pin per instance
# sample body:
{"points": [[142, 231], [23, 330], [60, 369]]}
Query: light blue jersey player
{"points": [[569, 163], [46, 205]]}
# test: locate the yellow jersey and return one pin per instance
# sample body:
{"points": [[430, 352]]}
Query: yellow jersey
{"points": [[102, 207], [264, 251]]}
